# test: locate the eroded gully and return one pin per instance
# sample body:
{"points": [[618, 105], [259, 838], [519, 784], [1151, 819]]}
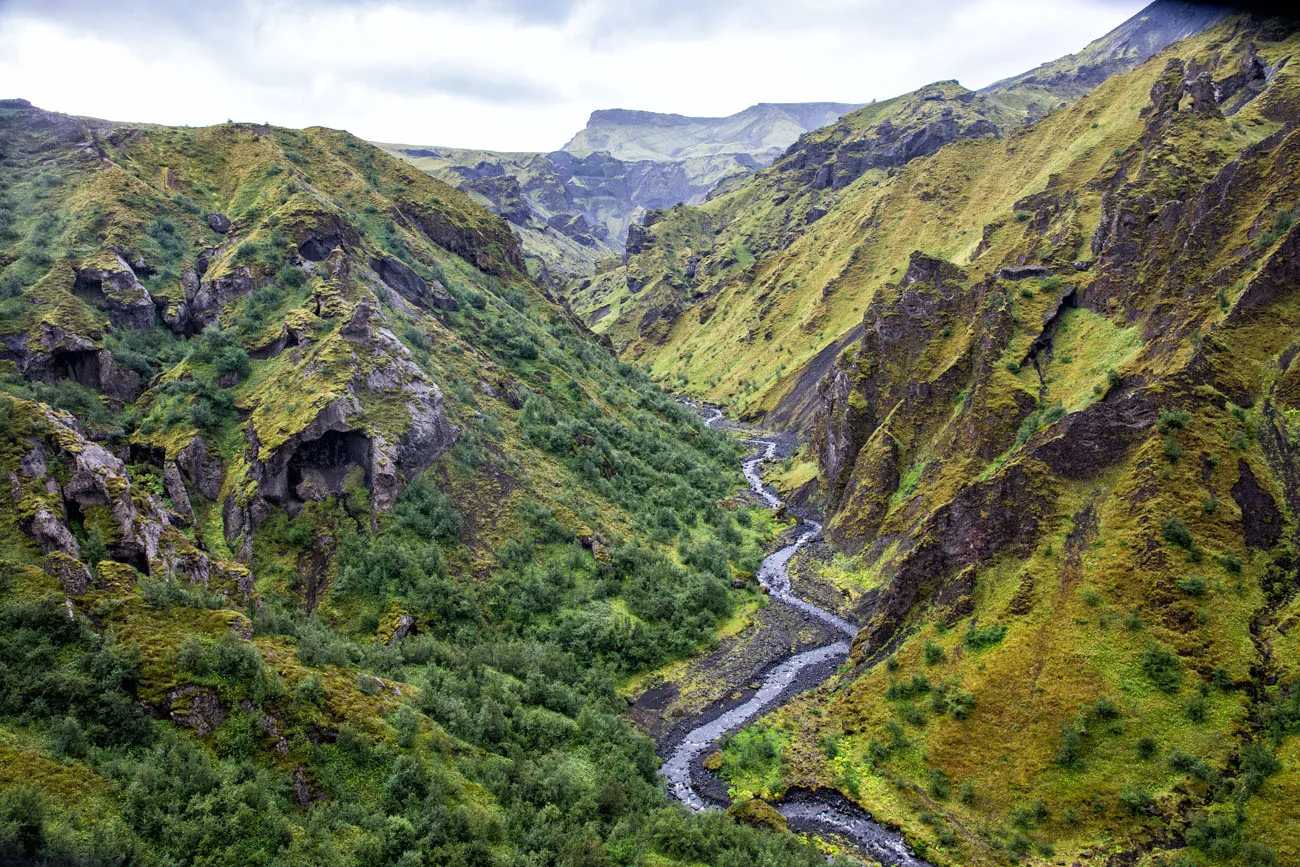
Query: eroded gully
{"points": [[809, 812]]}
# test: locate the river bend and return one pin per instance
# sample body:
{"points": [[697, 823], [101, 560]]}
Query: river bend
{"points": [[815, 812]]}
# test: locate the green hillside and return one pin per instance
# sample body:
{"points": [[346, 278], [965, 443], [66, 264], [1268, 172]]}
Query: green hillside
{"points": [[1048, 380], [328, 534]]}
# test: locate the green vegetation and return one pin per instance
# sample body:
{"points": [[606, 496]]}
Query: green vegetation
{"points": [[299, 624]]}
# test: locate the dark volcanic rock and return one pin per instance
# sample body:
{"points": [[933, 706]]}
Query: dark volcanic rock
{"points": [[1025, 272], [1261, 522], [70, 572], [114, 288], [218, 222], [400, 278]]}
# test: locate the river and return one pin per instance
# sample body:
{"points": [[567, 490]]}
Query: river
{"points": [[810, 812]]}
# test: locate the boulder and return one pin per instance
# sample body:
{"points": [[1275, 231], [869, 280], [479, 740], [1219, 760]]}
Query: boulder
{"points": [[71, 573], [113, 287], [218, 222]]}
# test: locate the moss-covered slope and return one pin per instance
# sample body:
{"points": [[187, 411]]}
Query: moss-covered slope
{"points": [[328, 534], [1058, 454]]}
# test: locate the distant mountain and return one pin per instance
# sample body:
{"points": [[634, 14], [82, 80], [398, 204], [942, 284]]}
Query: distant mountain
{"points": [[762, 131], [572, 207], [1125, 48], [640, 305]]}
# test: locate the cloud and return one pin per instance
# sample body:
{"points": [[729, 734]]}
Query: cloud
{"points": [[510, 74]]}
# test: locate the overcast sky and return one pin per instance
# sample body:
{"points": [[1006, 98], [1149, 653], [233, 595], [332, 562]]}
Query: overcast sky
{"points": [[510, 74]]}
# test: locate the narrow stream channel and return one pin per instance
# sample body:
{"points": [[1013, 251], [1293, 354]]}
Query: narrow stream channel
{"points": [[810, 812]]}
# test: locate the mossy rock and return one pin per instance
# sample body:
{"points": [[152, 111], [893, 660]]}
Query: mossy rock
{"points": [[758, 813], [111, 575]]}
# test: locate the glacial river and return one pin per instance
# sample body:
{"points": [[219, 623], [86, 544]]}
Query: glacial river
{"points": [[813, 812]]}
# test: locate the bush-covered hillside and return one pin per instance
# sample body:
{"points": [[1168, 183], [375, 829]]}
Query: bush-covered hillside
{"points": [[327, 534], [1050, 383]]}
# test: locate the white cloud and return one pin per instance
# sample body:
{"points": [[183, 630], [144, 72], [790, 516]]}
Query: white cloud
{"points": [[511, 76]]}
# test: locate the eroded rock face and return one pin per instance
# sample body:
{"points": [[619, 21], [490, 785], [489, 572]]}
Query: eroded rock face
{"points": [[114, 288], [53, 353], [338, 447], [1261, 521], [399, 277], [212, 297], [137, 527], [489, 247], [834, 161], [201, 468]]}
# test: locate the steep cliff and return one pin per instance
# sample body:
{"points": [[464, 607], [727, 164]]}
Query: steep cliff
{"points": [[572, 207]]}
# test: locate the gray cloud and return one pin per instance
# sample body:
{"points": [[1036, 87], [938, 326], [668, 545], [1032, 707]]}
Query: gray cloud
{"points": [[485, 85], [513, 73]]}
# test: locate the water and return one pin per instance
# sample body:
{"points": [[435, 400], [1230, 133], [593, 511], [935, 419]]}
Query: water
{"points": [[805, 811]]}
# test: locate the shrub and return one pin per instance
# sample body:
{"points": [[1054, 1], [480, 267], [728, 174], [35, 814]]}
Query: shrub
{"points": [[1175, 532], [1105, 709], [1172, 449], [1218, 836], [310, 691], [1172, 420], [966, 794], [979, 638], [1193, 585], [428, 513], [939, 786], [1192, 766], [290, 277], [22, 821], [1196, 709], [1255, 854], [1147, 747], [1137, 799], [1068, 756], [1231, 562], [1162, 668], [67, 739], [933, 653]]}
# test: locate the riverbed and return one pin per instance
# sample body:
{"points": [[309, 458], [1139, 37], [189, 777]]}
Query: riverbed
{"points": [[821, 812]]}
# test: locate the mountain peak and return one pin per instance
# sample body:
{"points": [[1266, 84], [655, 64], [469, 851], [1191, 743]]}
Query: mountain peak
{"points": [[761, 131]]}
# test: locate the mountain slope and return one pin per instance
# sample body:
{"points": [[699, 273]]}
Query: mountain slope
{"points": [[327, 532], [657, 309], [1131, 44], [1057, 452]]}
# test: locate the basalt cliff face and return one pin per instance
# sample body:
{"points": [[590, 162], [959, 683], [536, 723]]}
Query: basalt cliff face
{"points": [[1047, 378]]}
